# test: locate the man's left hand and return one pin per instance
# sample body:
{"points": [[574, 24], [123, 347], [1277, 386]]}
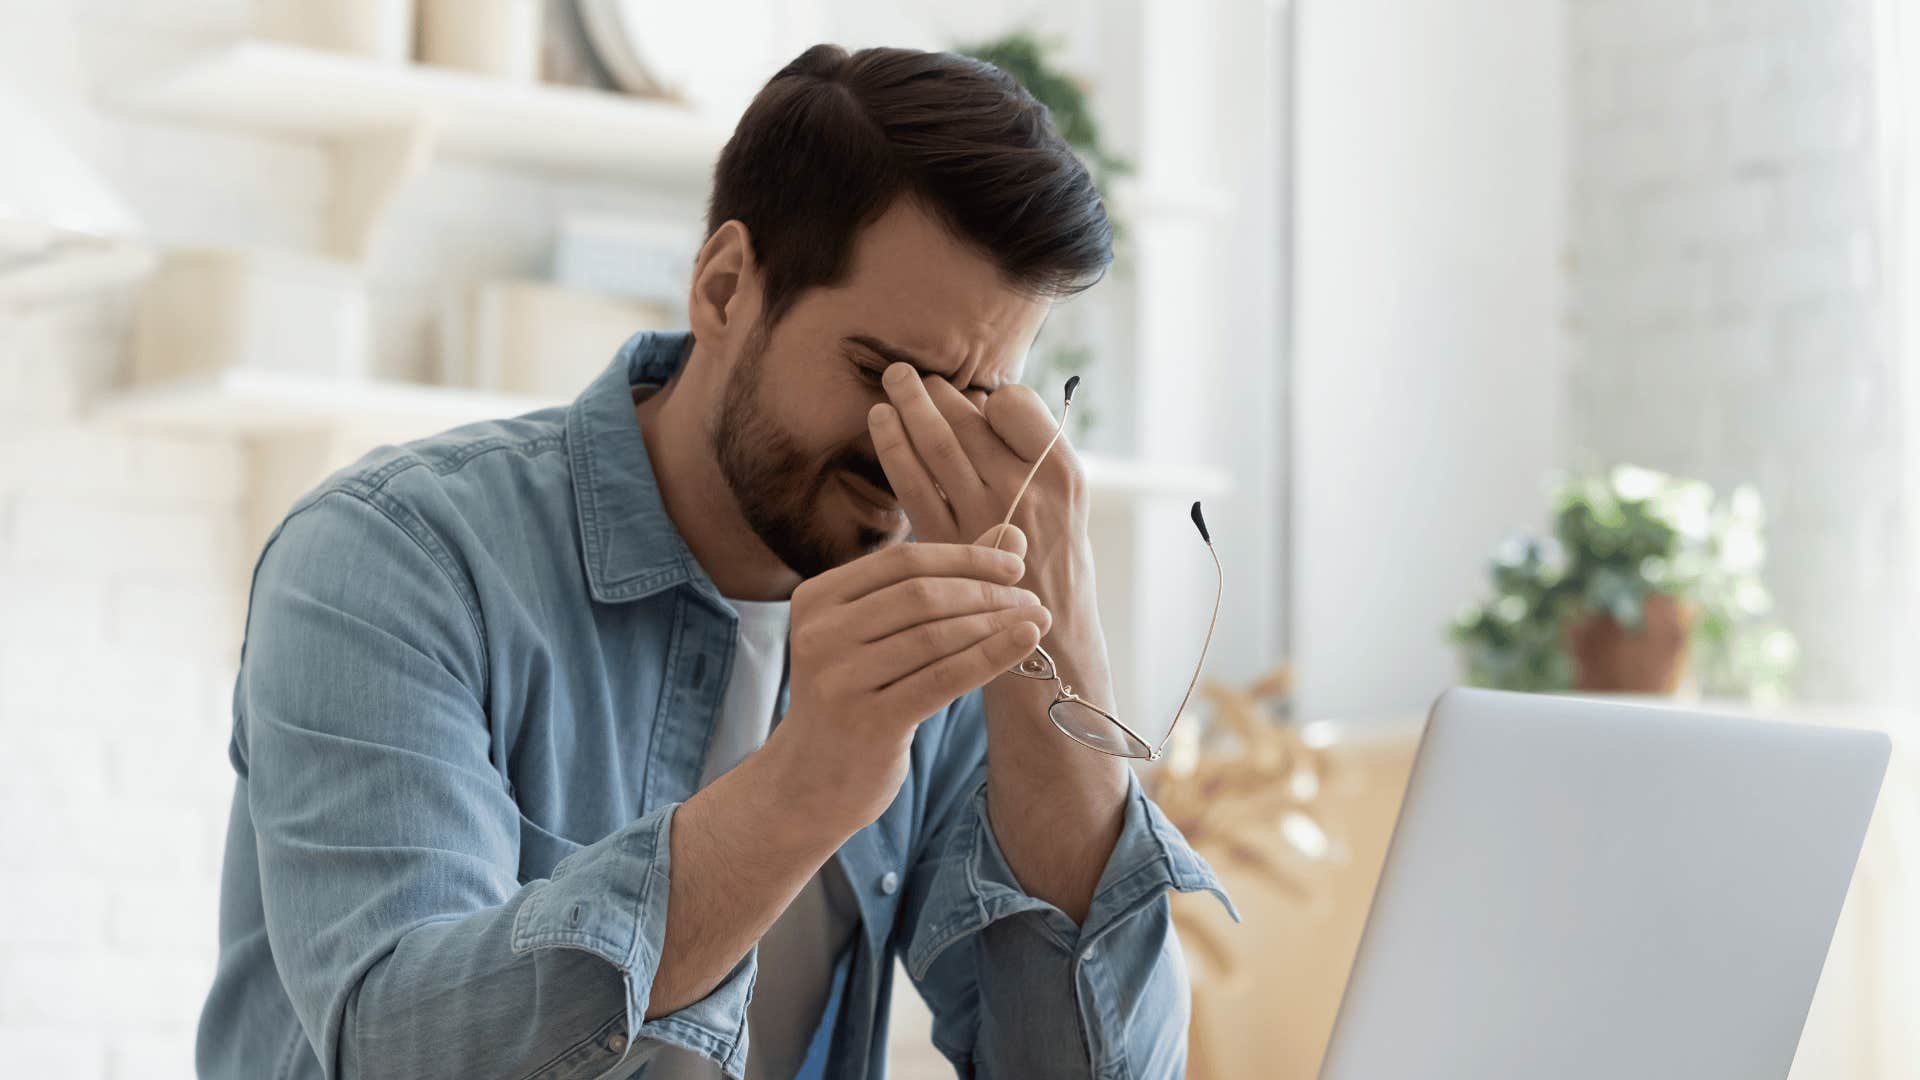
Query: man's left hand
{"points": [[956, 463]]}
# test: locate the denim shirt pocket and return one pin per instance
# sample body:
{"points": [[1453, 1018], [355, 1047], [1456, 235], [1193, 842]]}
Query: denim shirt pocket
{"points": [[541, 850]]}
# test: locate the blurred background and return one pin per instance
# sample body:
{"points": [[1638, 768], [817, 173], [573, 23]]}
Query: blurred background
{"points": [[1557, 345]]}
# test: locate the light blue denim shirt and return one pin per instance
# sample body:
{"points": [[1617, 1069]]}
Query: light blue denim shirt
{"points": [[478, 676]]}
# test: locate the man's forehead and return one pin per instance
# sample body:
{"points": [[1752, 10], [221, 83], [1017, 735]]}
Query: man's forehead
{"points": [[916, 294]]}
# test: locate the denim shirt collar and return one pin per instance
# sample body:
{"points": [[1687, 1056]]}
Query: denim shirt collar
{"points": [[628, 544]]}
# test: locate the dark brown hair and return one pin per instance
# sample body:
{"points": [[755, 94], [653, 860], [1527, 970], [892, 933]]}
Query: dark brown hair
{"points": [[835, 138]]}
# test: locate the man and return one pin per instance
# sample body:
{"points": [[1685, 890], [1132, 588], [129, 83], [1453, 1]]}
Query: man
{"points": [[530, 781]]}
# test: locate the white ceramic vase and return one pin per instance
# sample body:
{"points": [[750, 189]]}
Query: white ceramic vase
{"points": [[378, 29], [496, 38]]}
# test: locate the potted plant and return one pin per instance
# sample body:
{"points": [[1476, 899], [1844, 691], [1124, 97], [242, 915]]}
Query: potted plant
{"points": [[1646, 581]]}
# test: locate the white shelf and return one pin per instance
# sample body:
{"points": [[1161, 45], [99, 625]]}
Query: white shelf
{"points": [[266, 403], [258, 403], [287, 89], [1113, 479], [70, 269]]}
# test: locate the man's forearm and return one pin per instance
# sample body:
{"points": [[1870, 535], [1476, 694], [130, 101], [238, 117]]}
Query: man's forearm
{"points": [[740, 854], [1056, 807]]}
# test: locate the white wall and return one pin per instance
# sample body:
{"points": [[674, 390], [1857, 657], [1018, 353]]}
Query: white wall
{"points": [[1728, 283], [1428, 337]]}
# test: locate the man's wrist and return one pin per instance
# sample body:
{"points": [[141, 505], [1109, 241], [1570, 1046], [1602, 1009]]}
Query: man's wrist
{"points": [[796, 818]]}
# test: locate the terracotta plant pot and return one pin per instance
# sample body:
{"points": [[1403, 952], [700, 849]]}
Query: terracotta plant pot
{"points": [[1609, 658]]}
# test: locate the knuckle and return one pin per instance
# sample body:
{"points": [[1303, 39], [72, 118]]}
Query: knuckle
{"points": [[920, 592], [929, 638], [815, 639]]}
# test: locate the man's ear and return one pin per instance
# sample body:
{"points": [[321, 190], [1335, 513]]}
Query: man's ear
{"points": [[725, 298]]}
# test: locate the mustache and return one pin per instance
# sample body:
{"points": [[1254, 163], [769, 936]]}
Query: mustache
{"points": [[866, 468]]}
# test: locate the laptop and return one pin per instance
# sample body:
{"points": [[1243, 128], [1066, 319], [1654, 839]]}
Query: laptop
{"points": [[1590, 890]]}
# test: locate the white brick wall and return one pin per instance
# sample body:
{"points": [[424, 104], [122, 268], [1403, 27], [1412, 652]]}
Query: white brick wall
{"points": [[1726, 289], [119, 596]]}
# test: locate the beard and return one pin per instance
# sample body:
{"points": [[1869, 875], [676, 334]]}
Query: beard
{"points": [[780, 487]]}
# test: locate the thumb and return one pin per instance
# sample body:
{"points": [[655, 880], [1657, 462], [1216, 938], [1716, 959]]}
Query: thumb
{"points": [[1005, 538]]}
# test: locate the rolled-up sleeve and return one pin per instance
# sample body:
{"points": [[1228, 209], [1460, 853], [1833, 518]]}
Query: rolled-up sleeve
{"points": [[388, 842], [1017, 989]]}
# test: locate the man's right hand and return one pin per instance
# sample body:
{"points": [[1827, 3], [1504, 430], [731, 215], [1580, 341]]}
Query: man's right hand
{"points": [[881, 643]]}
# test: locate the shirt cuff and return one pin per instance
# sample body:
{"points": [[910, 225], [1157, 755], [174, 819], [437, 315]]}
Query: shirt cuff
{"points": [[974, 887], [610, 899]]}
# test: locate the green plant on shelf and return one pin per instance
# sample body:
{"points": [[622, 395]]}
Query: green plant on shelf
{"points": [[1618, 539], [1027, 57]]}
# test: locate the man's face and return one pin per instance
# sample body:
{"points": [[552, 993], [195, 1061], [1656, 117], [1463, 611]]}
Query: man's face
{"points": [[790, 428]]}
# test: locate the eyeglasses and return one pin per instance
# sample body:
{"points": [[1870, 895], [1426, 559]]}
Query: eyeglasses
{"points": [[1076, 717]]}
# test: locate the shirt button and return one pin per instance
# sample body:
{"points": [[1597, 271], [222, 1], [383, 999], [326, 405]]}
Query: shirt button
{"points": [[617, 1043], [1088, 953], [890, 883]]}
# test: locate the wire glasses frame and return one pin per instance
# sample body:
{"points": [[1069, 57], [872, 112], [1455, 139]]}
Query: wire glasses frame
{"points": [[1076, 717]]}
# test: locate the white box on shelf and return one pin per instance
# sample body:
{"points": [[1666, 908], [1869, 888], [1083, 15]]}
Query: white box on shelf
{"points": [[648, 259], [538, 339], [210, 310], [500, 38], [381, 29]]}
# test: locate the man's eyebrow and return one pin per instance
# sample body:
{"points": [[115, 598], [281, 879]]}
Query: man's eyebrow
{"points": [[894, 354]]}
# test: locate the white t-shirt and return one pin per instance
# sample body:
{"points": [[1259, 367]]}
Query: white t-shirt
{"points": [[797, 954]]}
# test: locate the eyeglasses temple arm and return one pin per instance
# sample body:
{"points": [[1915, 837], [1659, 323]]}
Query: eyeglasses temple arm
{"points": [[1219, 588], [1037, 462]]}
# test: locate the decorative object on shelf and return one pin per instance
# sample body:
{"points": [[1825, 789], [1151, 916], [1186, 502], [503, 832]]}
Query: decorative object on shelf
{"points": [[210, 310], [615, 44], [1026, 57], [62, 227], [378, 29], [643, 258], [568, 56], [538, 339], [496, 38], [658, 47], [1647, 579]]}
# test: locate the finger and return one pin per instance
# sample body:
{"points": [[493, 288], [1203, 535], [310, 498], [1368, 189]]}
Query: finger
{"points": [[939, 683], [933, 438], [984, 449], [903, 653], [926, 599], [1021, 420], [902, 561], [911, 482], [1005, 538]]}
